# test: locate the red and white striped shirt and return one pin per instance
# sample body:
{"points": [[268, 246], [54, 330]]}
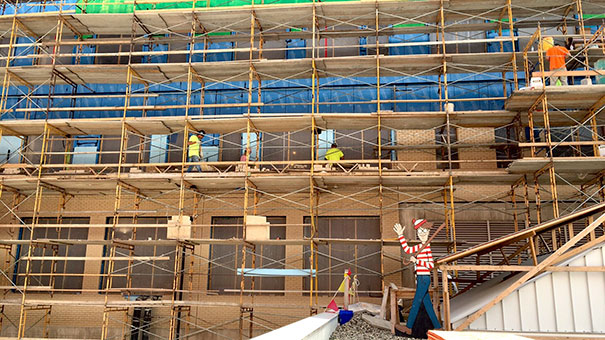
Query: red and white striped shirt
{"points": [[424, 262]]}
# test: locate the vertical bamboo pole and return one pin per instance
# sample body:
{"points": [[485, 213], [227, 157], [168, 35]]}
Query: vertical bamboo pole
{"points": [[512, 41], [446, 213], [538, 199], [35, 216], [379, 127], [513, 198], [9, 53], [39, 189], [6, 266], [314, 107], [445, 89], [176, 279], [251, 72], [452, 213], [547, 132], [580, 14], [500, 20], [180, 249], [118, 190], [526, 202]]}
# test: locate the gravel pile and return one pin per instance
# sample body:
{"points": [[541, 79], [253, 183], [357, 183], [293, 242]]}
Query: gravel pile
{"points": [[358, 329]]}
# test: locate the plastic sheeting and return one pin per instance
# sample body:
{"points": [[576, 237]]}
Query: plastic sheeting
{"points": [[336, 95]]}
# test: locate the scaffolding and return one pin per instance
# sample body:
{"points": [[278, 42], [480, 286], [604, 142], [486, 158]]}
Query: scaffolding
{"points": [[176, 81]]}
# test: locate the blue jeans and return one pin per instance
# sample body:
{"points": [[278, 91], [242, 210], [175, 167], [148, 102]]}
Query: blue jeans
{"points": [[423, 282], [194, 159]]}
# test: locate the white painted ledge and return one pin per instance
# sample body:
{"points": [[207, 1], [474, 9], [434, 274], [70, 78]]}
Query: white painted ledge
{"points": [[316, 327]]}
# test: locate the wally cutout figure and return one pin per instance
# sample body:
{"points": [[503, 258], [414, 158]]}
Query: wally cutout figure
{"points": [[423, 263]]}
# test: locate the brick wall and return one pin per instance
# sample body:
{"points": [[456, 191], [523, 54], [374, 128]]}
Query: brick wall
{"points": [[417, 159], [476, 136]]}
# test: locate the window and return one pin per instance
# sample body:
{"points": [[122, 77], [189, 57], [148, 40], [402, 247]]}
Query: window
{"points": [[156, 58], [407, 38], [362, 259], [442, 152], [9, 149], [65, 275], [295, 48], [222, 271], [569, 134], [324, 143], [84, 49], [254, 145], [144, 274], [158, 149], [86, 150], [285, 146], [210, 147]]}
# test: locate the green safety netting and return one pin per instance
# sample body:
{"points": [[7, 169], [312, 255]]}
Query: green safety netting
{"points": [[593, 16], [126, 6]]}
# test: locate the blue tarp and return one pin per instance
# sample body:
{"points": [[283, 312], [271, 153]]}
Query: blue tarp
{"points": [[269, 272], [279, 96]]}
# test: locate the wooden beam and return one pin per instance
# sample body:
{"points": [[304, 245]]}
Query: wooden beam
{"points": [[570, 73], [555, 144], [93, 258], [532, 249]]}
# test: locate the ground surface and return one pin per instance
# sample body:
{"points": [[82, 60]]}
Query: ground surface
{"points": [[358, 329]]}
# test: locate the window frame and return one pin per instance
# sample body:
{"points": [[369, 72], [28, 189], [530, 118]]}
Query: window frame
{"points": [[153, 264], [23, 249], [259, 282], [334, 279]]}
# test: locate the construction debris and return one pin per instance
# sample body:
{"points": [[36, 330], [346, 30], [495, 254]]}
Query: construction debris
{"points": [[361, 307], [377, 321], [359, 329]]}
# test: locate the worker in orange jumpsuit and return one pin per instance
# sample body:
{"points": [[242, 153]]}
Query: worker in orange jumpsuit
{"points": [[556, 56]]}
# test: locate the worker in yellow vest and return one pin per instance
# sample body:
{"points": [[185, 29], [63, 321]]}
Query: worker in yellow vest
{"points": [[334, 154], [194, 150]]}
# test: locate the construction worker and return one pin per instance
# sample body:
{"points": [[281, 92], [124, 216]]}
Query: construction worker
{"points": [[423, 263], [243, 159], [194, 150], [556, 56], [334, 154]]}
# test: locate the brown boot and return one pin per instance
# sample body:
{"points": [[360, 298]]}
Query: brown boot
{"points": [[404, 329]]}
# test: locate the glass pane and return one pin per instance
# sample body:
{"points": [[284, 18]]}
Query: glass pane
{"points": [[9, 149], [158, 149]]}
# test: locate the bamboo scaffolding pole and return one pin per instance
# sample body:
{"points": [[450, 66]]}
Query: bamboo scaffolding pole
{"points": [[512, 41], [105, 329], [5, 268], [46, 140], [247, 185], [175, 312], [379, 134]]}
